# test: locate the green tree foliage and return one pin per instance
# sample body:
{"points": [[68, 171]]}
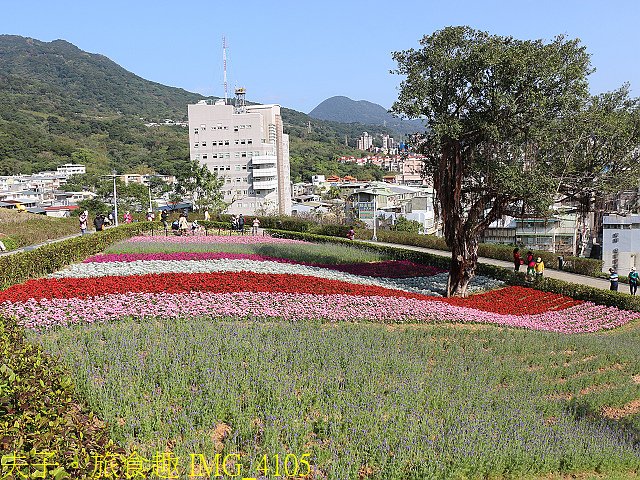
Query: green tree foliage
{"points": [[596, 151], [487, 101], [203, 186], [404, 225]]}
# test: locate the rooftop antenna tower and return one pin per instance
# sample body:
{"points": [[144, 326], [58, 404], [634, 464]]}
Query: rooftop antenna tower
{"points": [[224, 66]]}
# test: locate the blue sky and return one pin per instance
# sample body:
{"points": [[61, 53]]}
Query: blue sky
{"points": [[298, 53]]}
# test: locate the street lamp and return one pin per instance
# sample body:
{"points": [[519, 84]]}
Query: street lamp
{"points": [[375, 220], [115, 196]]}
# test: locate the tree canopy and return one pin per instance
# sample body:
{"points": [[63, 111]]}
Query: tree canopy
{"points": [[487, 102]]}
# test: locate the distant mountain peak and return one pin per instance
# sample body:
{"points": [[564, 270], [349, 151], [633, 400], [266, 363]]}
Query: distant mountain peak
{"points": [[345, 110]]}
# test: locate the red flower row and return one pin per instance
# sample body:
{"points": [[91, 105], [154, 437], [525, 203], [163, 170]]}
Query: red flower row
{"points": [[515, 301], [218, 282]]}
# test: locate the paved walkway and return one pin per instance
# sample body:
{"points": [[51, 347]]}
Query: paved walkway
{"points": [[548, 272], [33, 247]]}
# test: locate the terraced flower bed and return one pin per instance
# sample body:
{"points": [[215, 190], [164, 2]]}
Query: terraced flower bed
{"points": [[256, 347]]}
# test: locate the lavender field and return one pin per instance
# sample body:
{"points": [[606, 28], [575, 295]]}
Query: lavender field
{"points": [[364, 400]]}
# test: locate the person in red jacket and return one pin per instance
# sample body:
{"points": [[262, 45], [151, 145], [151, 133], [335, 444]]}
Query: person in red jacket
{"points": [[517, 260]]}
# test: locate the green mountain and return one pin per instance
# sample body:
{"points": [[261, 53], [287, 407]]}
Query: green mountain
{"points": [[60, 104], [344, 110]]}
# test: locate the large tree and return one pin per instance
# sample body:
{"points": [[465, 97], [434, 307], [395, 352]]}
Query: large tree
{"points": [[597, 152], [487, 102]]}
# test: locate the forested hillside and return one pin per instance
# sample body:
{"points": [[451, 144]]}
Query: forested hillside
{"points": [[60, 104]]}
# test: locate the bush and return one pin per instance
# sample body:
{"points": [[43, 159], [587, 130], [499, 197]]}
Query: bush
{"points": [[39, 412], [582, 266]]}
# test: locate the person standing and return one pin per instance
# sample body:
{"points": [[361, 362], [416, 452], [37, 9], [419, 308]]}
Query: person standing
{"points": [[84, 216], [517, 260], [163, 218], [127, 217], [207, 217], [613, 279], [531, 264], [539, 267], [633, 281], [256, 224], [183, 224], [241, 224]]}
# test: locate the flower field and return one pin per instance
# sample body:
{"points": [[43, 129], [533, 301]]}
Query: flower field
{"points": [[261, 346]]}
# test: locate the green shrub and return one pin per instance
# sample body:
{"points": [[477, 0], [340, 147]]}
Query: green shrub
{"points": [[39, 412], [582, 266]]}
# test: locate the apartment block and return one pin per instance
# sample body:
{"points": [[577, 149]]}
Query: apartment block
{"points": [[248, 149]]}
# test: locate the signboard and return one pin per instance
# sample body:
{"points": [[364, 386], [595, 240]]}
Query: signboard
{"points": [[365, 210]]}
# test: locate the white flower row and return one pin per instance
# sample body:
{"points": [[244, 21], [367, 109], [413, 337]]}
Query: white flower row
{"points": [[433, 285]]}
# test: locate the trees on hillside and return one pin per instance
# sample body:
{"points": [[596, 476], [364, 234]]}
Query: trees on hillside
{"points": [[488, 102]]}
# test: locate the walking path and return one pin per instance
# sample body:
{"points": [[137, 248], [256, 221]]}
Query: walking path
{"points": [[548, 272], [33, 247]]}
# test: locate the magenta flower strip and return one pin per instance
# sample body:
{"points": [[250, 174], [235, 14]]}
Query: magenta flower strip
{"points": [[44, 314], [201, 239]]}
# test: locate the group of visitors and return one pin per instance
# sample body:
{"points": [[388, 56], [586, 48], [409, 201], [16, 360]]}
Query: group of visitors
{"points": [[535, 265], [632, 278], [237, 223]]}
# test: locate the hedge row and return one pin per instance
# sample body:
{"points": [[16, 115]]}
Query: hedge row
{"points": [[583, 266], [39, 412], [507, 275], [19, 267]]}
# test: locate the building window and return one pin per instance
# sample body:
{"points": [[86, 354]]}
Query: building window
{"points": [[204, 144], [204, 156], [249, 141], [195, 145]]}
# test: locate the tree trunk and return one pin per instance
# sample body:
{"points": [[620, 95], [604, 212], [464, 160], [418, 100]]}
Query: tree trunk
{"points": [[464, 259]]}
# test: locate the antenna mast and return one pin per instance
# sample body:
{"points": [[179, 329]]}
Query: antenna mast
{"points": [[224, 66]]}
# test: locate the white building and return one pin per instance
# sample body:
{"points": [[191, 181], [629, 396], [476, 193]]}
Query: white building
{"points": [[365, 142], [247, 148], [69, 169], [620, 242]]}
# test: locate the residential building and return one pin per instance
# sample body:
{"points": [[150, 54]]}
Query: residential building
{"points": [[69, 169], [365, 142], [248, 149], [556, 233], [620, 242]]}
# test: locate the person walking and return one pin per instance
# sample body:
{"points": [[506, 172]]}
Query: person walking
{"points": [[633, 281], [241, 224], [234, 223], [84, 216], [517, 260], [351, 234], [613, 279], [539, 267], [255, 225], [98, 222]]}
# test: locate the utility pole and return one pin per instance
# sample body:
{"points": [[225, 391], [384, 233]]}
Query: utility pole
{"points": [[115, 198]]}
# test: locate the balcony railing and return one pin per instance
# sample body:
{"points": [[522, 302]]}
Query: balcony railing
{"points": [[265, 185]]}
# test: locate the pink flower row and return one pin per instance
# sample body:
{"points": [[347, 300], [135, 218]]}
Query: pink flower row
{"points": [[202, 239], [48, 313]]}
